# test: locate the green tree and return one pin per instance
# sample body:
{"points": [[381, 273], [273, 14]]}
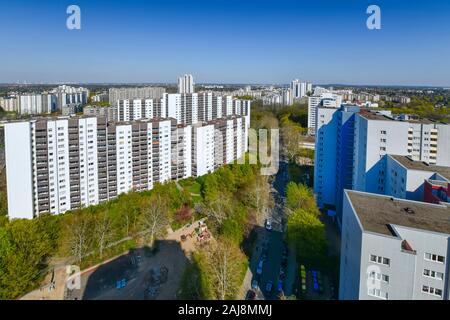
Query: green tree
{"points": [[299, 196], [24, 250], [307, 234]]}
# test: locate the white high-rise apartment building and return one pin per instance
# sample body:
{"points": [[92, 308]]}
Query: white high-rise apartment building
{"points": [[203, 159], [325, 99], [142, 93], [30, 104], [55, 165], [185, 108], [393, 249], [352, 144], [9, 103], [300, 88], [70, 95], [59, 164], [186, 84]]}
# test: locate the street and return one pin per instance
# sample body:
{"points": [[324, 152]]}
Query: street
{"points": [[271, 248]]}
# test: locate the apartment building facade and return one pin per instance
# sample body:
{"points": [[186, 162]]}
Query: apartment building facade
{"points": [[393, 249], [416, 180], [186, 84], [59, 164], [116, 94], [326, 99], [185, 108], [352, 144]]}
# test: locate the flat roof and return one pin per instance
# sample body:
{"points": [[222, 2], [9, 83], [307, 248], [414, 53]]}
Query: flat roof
{"points": [[370, 115], [373, 114], [408, 163], [377, 212]]}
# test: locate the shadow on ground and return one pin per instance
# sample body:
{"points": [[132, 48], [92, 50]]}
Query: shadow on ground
{"points": [[143, 273]]}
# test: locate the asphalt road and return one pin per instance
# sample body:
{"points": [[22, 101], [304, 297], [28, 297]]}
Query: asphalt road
{"points": [[273, 239]]}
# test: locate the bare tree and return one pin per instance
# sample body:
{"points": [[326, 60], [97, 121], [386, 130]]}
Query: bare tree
{"points": [[224, 263], [78, 235], [217, 209], [263, 198], [155, 217], [103, 231], [291, 141]]}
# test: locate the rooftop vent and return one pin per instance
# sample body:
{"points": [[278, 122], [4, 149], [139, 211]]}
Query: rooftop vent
{"points": [[408, 210]]}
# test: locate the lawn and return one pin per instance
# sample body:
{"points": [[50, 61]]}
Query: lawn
{"points": [[194, 188]]}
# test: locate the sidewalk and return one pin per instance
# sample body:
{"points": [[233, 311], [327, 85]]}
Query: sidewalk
{"points": [[291, 273]]}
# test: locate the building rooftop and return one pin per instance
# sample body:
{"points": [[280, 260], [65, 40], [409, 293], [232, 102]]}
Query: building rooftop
{"points": [[375, 114], [408, 163], [377, 212], [371, 115]]}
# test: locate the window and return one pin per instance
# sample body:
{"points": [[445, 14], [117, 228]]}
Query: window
{"points": [[378, 293], [432, 291], [434, 257], [379, 276], [433, 274], [380, 260]]}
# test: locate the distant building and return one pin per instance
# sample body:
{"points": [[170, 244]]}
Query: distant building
{"points": [[110, 112], [116, 94], [70, 95], [323, 99], [186, 84], [9, 104], [102, 97], [393, 249], [185, 108], [71, 109], [300, 88]]}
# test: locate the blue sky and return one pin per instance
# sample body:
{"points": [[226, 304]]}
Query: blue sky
{"points": [[226, 41]]}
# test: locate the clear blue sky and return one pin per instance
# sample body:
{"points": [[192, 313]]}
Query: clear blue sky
{"points": [[226, 41]]}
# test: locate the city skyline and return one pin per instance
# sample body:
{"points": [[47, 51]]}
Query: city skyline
{"points": [[287, 41]]}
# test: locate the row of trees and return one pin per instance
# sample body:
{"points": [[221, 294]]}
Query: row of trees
{"points": [[305, 231], [84, 236], [235, 197], [232, 198]]}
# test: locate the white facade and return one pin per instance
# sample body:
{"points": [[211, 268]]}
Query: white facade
{"points": [[203, 149], [393, 249], [185, 108], [30, 104], [300, 88], [352, 145], [19, 173], [324, 99], [59, 164], [186, 84], [9, 104]]}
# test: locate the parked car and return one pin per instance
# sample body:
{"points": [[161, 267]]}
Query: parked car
{"points": [[260, 267], [268, 224], [280, 286], [255, 284], [264, 255], [251, 295], [269, 287]]}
